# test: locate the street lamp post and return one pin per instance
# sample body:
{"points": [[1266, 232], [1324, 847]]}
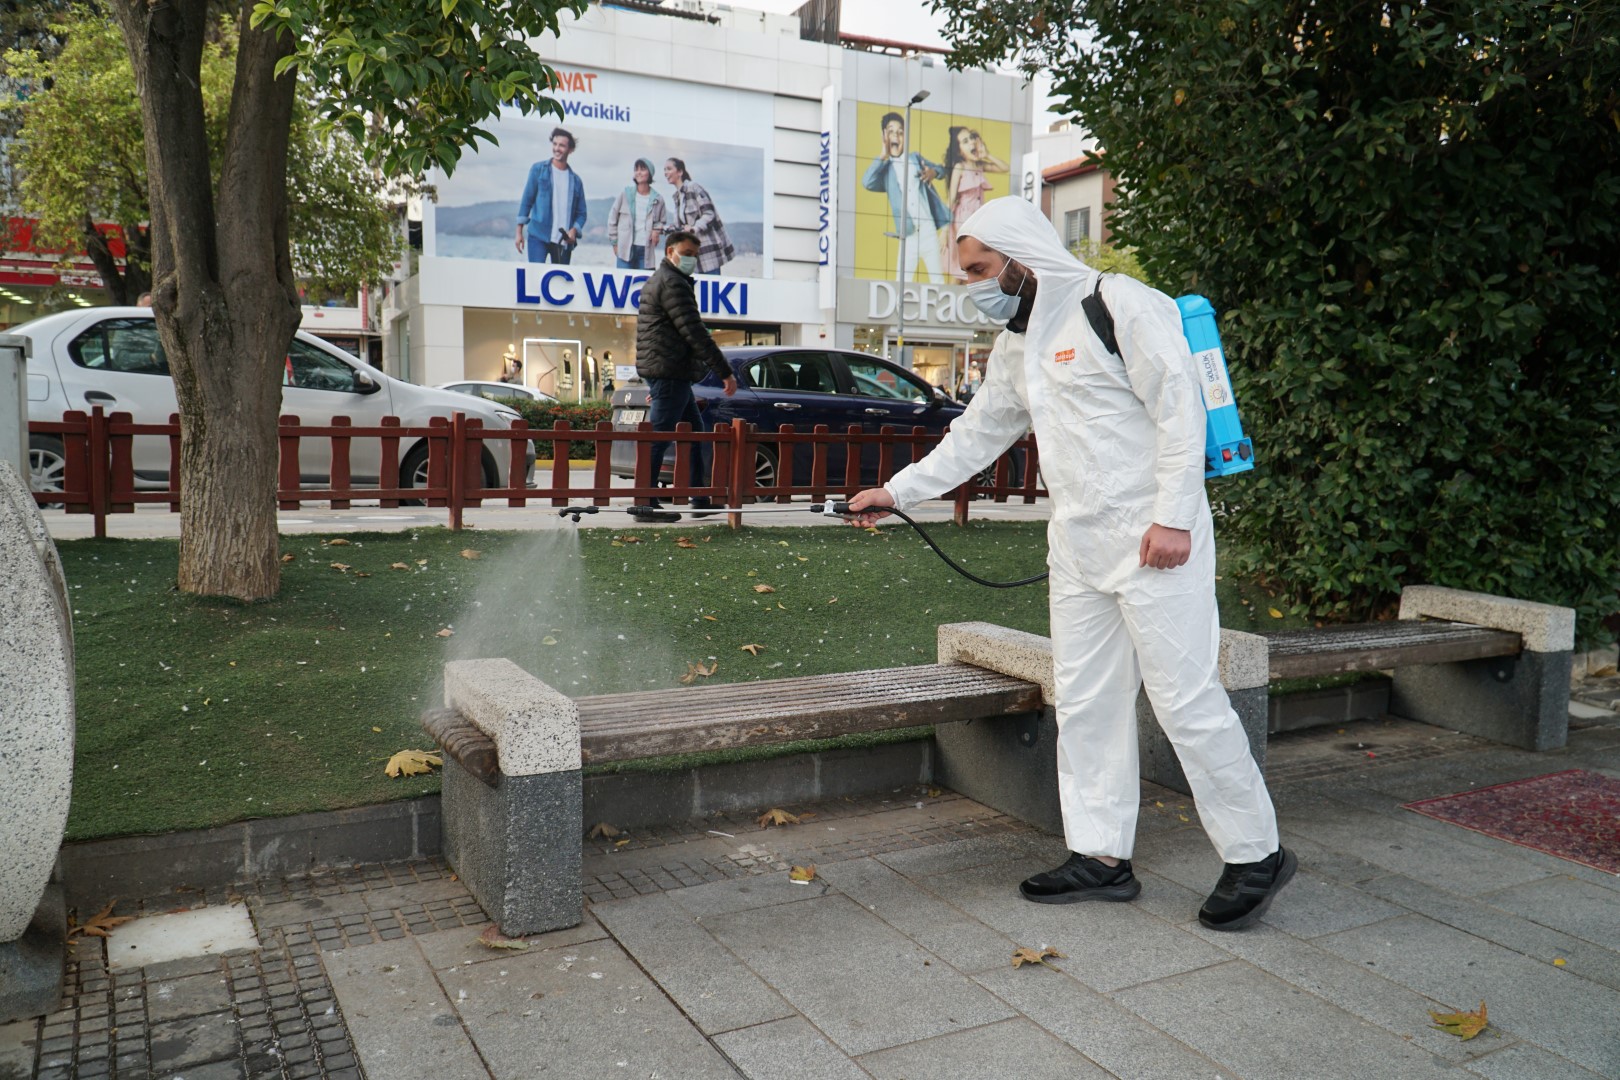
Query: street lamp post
{"points": [[905, 229]]}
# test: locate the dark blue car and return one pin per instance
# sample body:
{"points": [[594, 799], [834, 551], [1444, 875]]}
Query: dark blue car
{"points": [[787, 384]]}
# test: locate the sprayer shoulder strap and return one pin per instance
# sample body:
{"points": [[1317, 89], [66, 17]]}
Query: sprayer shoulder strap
{"points": [[1102, 323]]}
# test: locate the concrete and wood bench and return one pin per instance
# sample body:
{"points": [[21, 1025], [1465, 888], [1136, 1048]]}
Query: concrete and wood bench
{"points": [[1480, 664], [512, 788], [513, 794]]}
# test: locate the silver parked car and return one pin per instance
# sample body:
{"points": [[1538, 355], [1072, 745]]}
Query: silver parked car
{"points": [[497, 391], [111, 356]]}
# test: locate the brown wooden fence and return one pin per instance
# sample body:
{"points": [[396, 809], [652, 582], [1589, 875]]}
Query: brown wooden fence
{"points": [[99, 465]]}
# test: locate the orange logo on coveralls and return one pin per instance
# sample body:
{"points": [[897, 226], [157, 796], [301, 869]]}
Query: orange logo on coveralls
{"points": [[1063, 356]]}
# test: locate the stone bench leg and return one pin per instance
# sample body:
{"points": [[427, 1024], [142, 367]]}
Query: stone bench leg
{"points": [[1519, 700], [516, 844], [1011, 765], [1245, 670]]}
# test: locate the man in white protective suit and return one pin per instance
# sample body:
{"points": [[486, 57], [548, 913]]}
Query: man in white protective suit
{"points": [[1131, 553]]}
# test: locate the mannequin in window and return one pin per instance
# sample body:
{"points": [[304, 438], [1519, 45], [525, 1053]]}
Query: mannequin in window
{"points": [[607, 374], [511, 367]]}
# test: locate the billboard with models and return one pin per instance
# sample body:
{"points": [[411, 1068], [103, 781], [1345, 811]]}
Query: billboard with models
{"points": [[921, 185], [632, 159]]}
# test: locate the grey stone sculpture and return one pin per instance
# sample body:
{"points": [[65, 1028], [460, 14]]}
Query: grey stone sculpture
{"points": [[36, 751]]}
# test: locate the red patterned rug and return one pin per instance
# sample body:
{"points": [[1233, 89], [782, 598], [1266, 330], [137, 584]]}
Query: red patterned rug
{"points": [[1574, 815]]}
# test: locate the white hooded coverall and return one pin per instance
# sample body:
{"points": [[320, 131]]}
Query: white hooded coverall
{"points": [[1121, 448]]}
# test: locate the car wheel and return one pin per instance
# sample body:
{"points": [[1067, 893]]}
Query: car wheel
{"points": [[47, 466], [413, 471], [764, 467]]}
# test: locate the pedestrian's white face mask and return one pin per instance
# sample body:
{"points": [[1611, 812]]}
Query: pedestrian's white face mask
{"points": [[686, 263], [988, 297]]}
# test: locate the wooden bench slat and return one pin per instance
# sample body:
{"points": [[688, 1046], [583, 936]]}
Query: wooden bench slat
{"points": [[655, 723], [461, 739], [1333, 650]]}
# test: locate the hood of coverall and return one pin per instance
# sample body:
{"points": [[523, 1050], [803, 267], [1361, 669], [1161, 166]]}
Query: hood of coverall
{"points": [[1015, 228]]}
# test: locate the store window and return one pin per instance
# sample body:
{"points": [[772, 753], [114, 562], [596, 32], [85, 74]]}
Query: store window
{"points": [[730, 336]]}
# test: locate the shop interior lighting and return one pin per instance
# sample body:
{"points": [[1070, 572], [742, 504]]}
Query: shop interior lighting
{"points": [[570, 320], [618, 323], [587, 319]]}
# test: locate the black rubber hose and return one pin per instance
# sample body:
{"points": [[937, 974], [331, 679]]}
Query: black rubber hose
{"points": [[975, 578]]}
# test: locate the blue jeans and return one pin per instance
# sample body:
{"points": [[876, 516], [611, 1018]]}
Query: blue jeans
{"points": [[637, 259], [670, 402]]}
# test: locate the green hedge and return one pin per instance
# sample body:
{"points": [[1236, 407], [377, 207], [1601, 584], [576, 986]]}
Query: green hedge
{"points": [[1408, 217], [544, 414]]}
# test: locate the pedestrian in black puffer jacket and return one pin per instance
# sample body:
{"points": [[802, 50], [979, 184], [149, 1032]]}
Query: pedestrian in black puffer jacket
{"points": [[674, 350]]}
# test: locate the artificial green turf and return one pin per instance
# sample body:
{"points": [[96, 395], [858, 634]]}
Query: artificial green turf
{"points": [[194, 712]]}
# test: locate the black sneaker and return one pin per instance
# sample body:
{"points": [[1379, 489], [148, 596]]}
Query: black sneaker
{"points": [[1245, 890], [1082, 878], [701, 508]]}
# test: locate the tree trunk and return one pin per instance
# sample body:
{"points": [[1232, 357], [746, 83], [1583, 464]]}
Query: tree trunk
{"points": [[124, 283], [224, 296]]}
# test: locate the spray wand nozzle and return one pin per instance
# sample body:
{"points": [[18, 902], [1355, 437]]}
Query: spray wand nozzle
{"points": [[575, 511]]}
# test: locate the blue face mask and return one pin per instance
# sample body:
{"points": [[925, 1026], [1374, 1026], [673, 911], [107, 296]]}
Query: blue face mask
{"points": [[988, 297], [687, 264]]}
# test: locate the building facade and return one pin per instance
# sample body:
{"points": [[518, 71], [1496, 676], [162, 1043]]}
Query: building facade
{"points": [[825, 182]]}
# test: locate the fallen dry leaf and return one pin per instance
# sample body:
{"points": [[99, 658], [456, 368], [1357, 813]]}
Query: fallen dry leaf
{"points": [[776, 817], [752, 650], [934, 793], [289, 557], [412, 763], [101, 922], [446, 632], [802, 875], [684, 542], [340, 567], [620, 843], [602, 828], [834, 600], [398, 566], [337, 542], [1273, 612], [1030, 956], [696, 671], [763, 588], [378, 730], [1464, 1025], [548, 640], [492, 938], [471, 553], [421, 562], [361, 573], [628, 539], [710, 618]]}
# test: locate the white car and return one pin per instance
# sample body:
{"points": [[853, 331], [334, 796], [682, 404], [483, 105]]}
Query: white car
{"points": [[111, 356], [496, 391]]}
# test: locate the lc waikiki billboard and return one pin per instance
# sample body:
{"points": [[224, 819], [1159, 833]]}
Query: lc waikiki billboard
{"points": [[956, 164], [700, 153]]}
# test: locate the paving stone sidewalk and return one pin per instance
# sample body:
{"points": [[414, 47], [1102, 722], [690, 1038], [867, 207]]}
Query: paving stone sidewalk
{"points": [[698, 958]]}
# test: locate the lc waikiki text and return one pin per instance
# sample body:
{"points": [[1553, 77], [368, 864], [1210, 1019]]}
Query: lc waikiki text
{"points": [[584, 82], [621, 291]]}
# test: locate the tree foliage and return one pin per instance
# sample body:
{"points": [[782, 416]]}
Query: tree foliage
{"points": [[80, 160], [413, 81], [1409, 217]]}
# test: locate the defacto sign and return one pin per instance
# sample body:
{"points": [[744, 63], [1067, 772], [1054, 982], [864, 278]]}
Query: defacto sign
{"points": [[618, 291], [946, 305]]}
